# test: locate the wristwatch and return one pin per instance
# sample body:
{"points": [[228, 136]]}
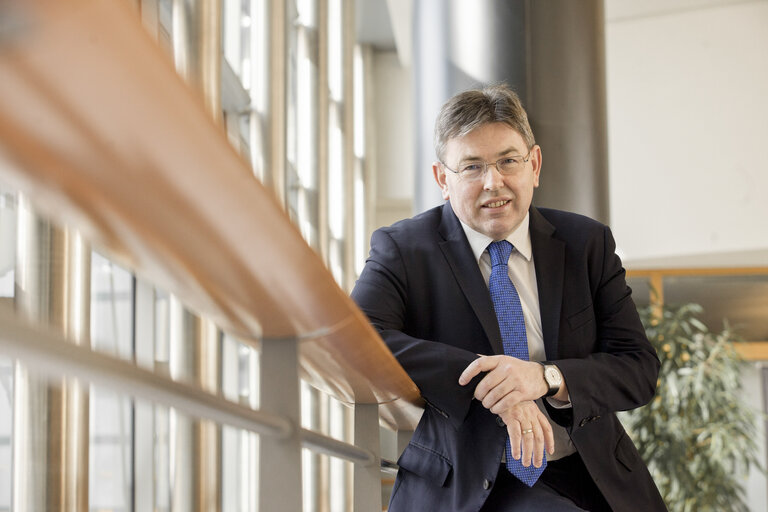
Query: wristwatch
{"points": [[552, 377]]}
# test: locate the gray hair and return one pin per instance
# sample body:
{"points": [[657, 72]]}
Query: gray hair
{"points": [[475, 107]]}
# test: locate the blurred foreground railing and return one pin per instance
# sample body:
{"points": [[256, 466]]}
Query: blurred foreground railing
{"points": [[103, 136]]}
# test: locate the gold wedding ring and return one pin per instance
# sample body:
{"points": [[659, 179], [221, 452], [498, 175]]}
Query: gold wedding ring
{"points": [[528, 431]]}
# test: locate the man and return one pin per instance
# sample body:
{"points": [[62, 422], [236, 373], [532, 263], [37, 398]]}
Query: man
{"points": [[470, 320]]}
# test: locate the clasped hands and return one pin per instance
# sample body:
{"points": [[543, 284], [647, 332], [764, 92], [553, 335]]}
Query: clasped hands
{"points": [[508, 390]]}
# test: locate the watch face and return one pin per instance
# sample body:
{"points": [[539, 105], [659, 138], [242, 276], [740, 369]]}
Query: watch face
{"points": [[553, 376]]}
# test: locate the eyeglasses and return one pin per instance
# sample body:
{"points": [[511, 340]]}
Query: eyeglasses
{"points": [[506, 166]]}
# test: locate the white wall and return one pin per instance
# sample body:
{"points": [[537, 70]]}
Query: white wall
{"points": [[687, 84], [687, 125]]}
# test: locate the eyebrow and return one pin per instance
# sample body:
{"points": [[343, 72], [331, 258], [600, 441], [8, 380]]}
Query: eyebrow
{"points": [[500, 154]]}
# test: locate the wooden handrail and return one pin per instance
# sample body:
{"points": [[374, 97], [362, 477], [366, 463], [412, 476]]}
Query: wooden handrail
{"points": [[103, 134], [703, 271]]}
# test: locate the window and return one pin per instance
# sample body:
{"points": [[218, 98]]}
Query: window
{"points": [[239, 448], [111, 414], [302, 139], [7, 242]]}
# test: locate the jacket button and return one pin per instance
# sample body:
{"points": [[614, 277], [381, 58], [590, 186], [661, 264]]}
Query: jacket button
{"points": [[500, 422], [486, 484]]}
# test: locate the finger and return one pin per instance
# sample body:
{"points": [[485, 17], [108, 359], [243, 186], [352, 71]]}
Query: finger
{"points": [[487, 386], [527, 446], [513, 429], [549, 435], [508, 401], [494, 390], [538, 445], [481, 364]]}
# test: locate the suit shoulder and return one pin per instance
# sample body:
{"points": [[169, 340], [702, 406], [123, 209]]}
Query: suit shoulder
{"points": [[566, 222]]}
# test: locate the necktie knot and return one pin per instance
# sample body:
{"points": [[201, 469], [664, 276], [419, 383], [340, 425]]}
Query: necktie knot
{"points": [[499, 252]]}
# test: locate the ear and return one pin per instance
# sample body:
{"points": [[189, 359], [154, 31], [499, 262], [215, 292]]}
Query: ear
{"points": [[536, 164], [440, 177]]}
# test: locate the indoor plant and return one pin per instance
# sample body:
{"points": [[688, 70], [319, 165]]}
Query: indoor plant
{"points": [[696, 435]]}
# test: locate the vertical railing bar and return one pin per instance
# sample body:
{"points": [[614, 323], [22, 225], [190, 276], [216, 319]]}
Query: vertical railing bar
{"points": [[280, 459], [367, 478]]}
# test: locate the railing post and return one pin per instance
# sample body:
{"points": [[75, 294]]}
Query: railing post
{"points": [[367, 489], [280, 484]]}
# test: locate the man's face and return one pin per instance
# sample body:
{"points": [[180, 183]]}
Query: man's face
{"points": [[493, 204]]}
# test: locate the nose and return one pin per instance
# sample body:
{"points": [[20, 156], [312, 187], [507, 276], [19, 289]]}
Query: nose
{"points": [[493, 179]]}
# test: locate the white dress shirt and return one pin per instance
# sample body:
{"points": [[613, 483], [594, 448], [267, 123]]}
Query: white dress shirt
{"points": [[522, 272]]}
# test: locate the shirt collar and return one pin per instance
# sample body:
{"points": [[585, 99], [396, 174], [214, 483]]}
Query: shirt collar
{"points": [[520, 238]]}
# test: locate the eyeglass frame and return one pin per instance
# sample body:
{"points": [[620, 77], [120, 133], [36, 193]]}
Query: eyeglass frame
{"points": [[461, 173]]}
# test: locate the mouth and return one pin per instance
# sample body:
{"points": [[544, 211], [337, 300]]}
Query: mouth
{"points": [[496, 204]]}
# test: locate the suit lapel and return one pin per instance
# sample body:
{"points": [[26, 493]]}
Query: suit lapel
{"points": [[549, 259], [460, 258]]}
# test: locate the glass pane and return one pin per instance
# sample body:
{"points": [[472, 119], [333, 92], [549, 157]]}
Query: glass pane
{"points": [[641, 290], [359, 95], [239, 447], [110, 451], [360, 218], [111, 308], [302, 132], [165, 8], [6, 424], [162, 473], [111, 414], [335, 50], [162, 459], [7, 266], [339, 424], [336, 193], [741, 300], [306, 108], [336, 260], [237, 38], [7, 242], [257, 67]]}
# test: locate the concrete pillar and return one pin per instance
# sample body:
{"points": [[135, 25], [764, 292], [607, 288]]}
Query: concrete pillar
{"points": [[551, 53]]}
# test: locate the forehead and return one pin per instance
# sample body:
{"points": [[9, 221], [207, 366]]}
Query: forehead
{"points": [[487, 140]]}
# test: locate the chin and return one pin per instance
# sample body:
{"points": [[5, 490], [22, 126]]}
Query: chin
{"points": [[498, 231]]}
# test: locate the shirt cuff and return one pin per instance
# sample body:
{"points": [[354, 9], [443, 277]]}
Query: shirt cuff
{"points": [[559, 404]]}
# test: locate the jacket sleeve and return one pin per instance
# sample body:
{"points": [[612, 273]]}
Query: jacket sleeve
{"points": [[383, 294], [620, 372]]}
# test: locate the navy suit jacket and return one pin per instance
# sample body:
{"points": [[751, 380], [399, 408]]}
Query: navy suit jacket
{"points": [[423, 291]]}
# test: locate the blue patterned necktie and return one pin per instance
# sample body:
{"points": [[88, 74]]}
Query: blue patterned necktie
{"points": [[509, 312]]}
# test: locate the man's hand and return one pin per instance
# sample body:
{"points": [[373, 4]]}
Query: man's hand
{"points": [[529, 433], [508, 382]]}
